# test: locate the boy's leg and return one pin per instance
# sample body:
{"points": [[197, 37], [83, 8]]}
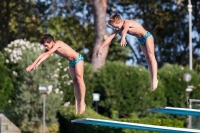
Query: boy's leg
{"points": [[152, 60], [79, 72], [76, 90], [144, 50]]}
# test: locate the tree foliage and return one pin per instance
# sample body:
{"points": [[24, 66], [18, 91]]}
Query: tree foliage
{"points": [[72, 22], [172, 77], [6, 86], [167, 20], [27, 108], [125, 89], [19, 19]]}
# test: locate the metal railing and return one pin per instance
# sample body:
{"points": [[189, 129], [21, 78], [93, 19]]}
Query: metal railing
{"points": [[196, 123]]}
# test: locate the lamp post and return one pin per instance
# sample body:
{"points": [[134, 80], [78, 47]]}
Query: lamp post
{"points": [[188, 91], [187, 77], [190, 33], [0, 121], [44, 90], [96, 98]]}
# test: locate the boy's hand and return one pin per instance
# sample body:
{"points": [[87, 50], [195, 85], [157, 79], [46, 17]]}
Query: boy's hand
{"points": [[29, 68], [98, 52], [36, 66], [123, 42]]}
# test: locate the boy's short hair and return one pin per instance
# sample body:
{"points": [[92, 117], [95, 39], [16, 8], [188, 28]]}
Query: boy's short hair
{"points": [[46, 38], [115, 18]]}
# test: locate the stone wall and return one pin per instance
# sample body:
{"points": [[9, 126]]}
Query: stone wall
{"points": [[6, 126]]}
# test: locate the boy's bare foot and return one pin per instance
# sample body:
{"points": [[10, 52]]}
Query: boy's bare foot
{"points": [[154, 85], [82, 107], [76, 107]]}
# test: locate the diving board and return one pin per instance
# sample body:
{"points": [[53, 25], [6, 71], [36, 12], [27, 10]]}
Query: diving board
{"points": [[134, 126], [179, 111]]}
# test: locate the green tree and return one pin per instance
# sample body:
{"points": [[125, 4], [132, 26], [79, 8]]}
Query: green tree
{"points": [[167, 20], [126, 89], [27, 109], [20, 19], [6, 86], [172, 77]]}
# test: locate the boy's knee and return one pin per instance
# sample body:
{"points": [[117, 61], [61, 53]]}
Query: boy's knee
{"points": [[151, 56], [153, 59], [79, 79]]}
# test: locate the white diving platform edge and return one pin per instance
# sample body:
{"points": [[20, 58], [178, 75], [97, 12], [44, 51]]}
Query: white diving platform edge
{"points": [[134, 126], [178, 111]]}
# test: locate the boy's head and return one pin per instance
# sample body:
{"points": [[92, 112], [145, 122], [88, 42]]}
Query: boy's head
{"points": [[115, 21], [46, 40]]}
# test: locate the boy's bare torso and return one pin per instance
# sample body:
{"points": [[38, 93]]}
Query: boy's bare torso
{"points": [[135, 29], [65, 51]]}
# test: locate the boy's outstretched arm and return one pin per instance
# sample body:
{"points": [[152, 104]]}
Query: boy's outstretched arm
{"points": [[29, 68], [41, 58], [106, 42], [124, 32]]}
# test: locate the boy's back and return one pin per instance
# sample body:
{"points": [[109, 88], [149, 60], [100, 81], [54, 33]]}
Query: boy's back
{"points": [[65, 50], [135, 28]]}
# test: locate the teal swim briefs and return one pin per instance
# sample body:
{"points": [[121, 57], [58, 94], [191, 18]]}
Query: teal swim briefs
{"points": [[74, 62], [142, 40]]}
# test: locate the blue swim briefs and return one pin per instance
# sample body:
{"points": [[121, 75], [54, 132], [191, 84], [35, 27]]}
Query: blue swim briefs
{"points": [[142, 40], [74, 62]]}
